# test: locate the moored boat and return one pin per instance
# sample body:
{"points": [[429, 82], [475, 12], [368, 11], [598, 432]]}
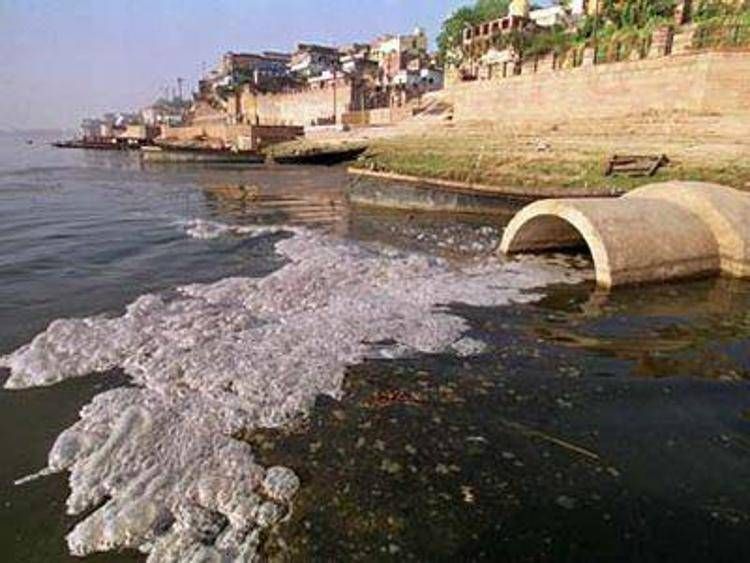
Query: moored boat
{"points": [[325, 157], [199, 155], [113, 144]]}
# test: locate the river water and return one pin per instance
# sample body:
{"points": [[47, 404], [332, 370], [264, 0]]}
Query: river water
{"points": [[434, 404]]}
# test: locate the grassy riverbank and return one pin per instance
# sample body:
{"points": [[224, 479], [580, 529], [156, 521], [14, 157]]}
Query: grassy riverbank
{"points": [[557, 154], [569, 154]]}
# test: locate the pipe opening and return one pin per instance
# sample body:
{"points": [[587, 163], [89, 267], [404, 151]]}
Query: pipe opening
{"points": [[545, 233]]}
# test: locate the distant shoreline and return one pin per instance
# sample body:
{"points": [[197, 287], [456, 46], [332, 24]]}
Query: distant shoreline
{"points": [[22, 132]]}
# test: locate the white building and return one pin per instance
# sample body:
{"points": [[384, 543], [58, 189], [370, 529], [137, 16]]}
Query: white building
{"points": [[161, 115], [416, 43], [549, 17], [313, 60], [578, 8], [91, 128], [519, 8], [426, 79]]}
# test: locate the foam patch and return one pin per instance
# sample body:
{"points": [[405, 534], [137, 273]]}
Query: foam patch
{"points": [[159, 460]]}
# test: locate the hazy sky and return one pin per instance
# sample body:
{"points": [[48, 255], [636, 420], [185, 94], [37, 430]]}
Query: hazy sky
{"points": [[62, 60]]}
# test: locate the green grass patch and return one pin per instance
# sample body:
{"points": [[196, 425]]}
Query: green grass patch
{"points": [[477, 159]]}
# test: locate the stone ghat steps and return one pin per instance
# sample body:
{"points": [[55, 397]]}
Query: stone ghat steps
{"points": [[659, 232]]}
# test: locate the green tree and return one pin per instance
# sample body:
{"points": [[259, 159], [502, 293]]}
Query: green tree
{"points": [[491, 9], [619, 14], [707, 9]]}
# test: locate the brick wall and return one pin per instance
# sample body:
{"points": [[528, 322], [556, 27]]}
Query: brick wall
{"points": [[711, 81]]}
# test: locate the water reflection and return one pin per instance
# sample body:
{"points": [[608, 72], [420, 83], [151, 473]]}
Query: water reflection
{"points": [[430, 458], [691, 329], [316, 198], [496, 459], [263, 203], [694, 329]]}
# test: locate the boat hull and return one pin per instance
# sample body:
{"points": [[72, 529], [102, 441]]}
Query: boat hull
{"points": [[322, 158], [201, 156]]}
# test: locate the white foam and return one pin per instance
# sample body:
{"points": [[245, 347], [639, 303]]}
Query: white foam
{"points": [[235, 355], [203, 229]]}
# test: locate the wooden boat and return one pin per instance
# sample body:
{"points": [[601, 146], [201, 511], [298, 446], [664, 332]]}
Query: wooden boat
{"points": [[102, 145], [199, 155], [90, 145], [324, 157]]}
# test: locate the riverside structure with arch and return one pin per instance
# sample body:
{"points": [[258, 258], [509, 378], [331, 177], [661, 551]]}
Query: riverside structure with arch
{"points": [[656, 233]]}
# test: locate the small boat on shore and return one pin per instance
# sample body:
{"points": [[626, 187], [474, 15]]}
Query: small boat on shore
{"points": [[201, 155], [323, 157]]}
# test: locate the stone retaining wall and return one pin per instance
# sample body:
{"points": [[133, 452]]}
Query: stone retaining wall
{"points": [[701, 82]]}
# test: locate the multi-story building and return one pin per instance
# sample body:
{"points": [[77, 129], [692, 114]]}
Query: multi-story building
{"points": [[414, 43], [164, 113], [425, 79], [267, 63], [360, 65], [397, 53], [267, 71], [313, 60], [90, 129], [485, 46], [478, 39], [248, 88]]}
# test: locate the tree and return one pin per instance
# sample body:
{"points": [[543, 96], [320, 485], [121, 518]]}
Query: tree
{"points": [[491, 9], [636, 13], [706, 9], [619, 14]]}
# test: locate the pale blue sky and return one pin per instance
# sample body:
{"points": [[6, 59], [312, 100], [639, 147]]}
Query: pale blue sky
{"points": [[62, 60]]}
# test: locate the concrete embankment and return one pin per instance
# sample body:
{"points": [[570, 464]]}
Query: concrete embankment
{"points": [[400, 191], [656, 233]]}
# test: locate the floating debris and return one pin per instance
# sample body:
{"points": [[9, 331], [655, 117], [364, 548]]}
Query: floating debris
{"points": [[384, 399], [566, 502]]}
